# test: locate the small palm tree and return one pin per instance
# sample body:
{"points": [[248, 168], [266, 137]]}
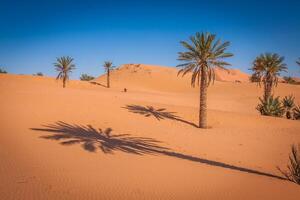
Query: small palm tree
{"points": [[267, 68], [202, 55], [108, 66], [64, 67], [270, 107]]}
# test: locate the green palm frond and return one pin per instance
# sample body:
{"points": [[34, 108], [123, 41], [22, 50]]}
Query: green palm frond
{"points": [[64, 67], [203, 52], [270, 107], [288, 102], [267, 67], [108, 65]]}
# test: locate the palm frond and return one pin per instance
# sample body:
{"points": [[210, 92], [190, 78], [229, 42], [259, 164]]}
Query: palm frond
{"points": [[64, 66], [203, 52]]}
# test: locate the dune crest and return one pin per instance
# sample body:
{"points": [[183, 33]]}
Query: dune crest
{"points": [[164, 78]]}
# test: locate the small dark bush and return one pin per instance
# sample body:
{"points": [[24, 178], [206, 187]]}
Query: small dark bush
{"points": [[290, 80], [293, 168], [270, 107], [38, 74], [85, 77]]}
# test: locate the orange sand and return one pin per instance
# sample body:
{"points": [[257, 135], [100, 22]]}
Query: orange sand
{"points": [[235, 159]]}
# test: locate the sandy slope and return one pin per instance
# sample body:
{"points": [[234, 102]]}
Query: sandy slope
{"points": [[139, 76], [236, 159]]}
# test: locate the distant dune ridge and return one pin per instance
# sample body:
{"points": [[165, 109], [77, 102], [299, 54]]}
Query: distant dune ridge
{"points": [[87, 141], [230, 75], [163, 78]]}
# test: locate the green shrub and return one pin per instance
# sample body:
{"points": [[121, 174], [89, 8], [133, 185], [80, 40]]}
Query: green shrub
{"points": [[270, 107], [288, 103], [293, 168], [85, 77], [2, 71]]}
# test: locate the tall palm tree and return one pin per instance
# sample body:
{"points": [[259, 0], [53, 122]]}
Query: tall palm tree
{"points": [[203, 53], [64, 66], [108, 66], [267, 68]]}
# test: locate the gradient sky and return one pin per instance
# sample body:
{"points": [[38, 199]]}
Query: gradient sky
{"points": [[34, 33]]}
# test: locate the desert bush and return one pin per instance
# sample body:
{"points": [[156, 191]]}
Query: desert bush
{"points": [[293, 168], [2, 71], [270, 107], [85, 77], [289, 80], [296, 112], [288, 103], [38, 74]]}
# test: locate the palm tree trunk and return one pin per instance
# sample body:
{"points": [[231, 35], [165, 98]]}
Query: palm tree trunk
{"points": [[64, 82], [203, 97], [108, 78], [267, 89]]}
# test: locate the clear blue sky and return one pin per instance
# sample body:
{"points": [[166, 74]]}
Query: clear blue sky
{"points": [[34, 33]]}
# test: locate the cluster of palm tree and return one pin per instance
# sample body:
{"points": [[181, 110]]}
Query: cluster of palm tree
{"points": [[204, 52], [64, 65], [266, 69]]}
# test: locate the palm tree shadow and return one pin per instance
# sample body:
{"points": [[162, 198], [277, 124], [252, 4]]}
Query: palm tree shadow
{"points": [[159, 114], [92, 139], [96, 83]]}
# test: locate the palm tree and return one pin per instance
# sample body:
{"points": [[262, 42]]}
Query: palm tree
{"points": [[267, 68], [204, 53], [108, 66], [64, 66]]}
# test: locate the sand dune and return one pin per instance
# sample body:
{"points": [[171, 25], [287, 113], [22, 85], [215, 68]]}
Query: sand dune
{"points": [[150, 77], [90, 142]]}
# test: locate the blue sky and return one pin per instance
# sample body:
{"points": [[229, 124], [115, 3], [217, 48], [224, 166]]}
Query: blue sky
{"points": [[34, 33]]}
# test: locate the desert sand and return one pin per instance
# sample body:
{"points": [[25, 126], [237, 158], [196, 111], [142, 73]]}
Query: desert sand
{"points": [[90, 142]]}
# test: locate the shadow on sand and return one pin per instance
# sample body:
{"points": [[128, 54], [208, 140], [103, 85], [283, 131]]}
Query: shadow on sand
{"points": [[159, 114], [92, 139], [96, 83]]}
